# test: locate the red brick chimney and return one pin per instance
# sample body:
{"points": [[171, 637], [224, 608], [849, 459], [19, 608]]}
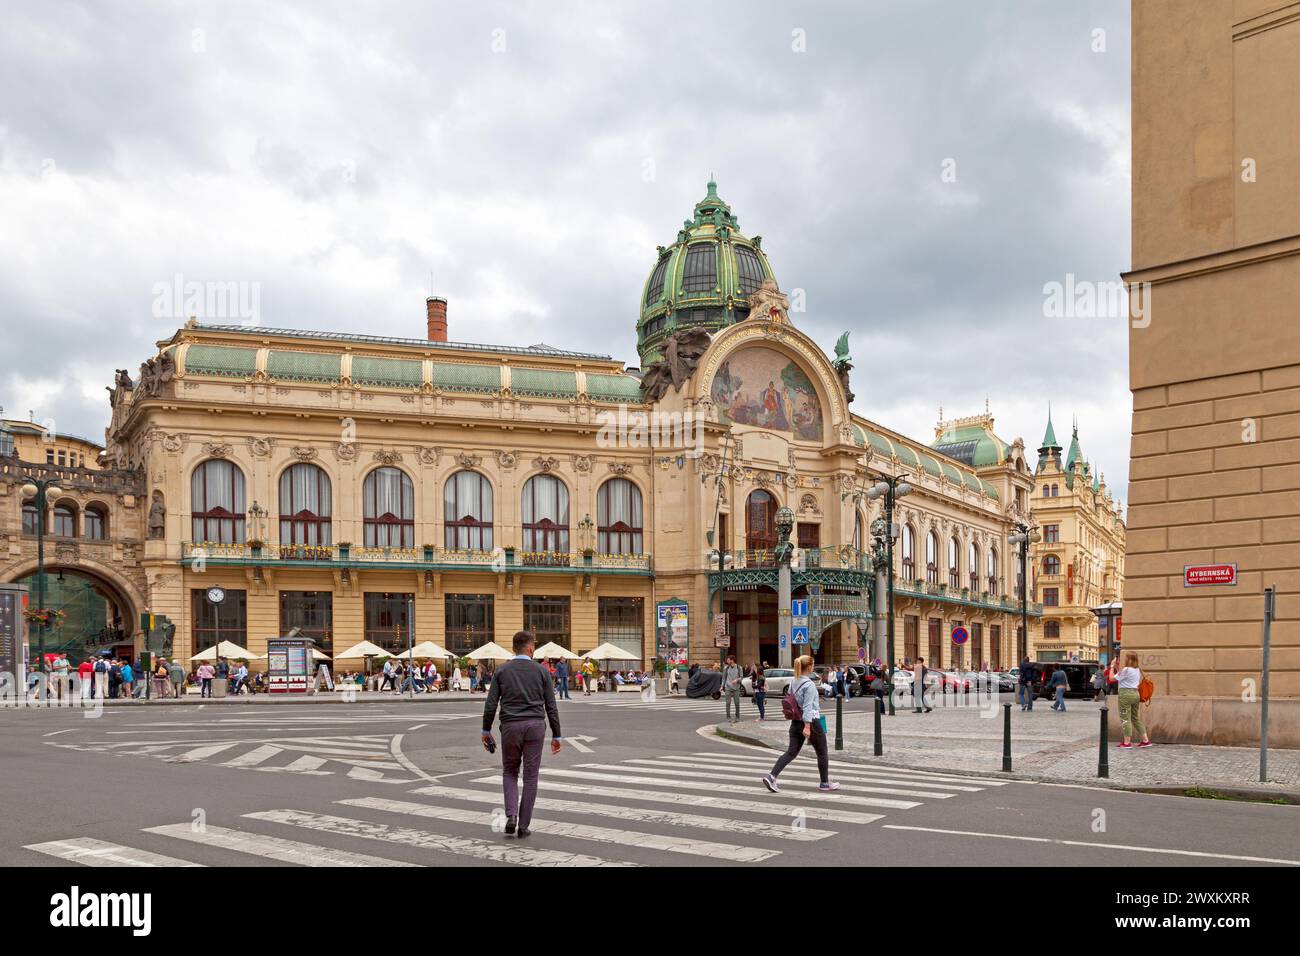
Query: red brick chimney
{"points": [[437, 318]]}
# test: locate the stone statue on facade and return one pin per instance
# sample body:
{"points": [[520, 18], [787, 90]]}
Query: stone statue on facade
{"points": [[157, 518], [156, 373], [682, 352], [843, 364]]}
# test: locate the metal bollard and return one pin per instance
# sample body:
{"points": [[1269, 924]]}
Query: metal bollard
{"points": [[839, 722], [879, 749], [1006, 738], [1103, 754]]}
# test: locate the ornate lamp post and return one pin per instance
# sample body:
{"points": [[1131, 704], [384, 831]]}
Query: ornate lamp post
{"points": [[784, 551], [891, 488], [43, 490], [1025, 533]]}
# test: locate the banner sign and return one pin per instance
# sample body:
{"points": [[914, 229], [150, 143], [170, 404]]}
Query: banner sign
{"points": [[672, 631]]}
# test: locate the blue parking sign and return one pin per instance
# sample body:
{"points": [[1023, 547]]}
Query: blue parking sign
{"points": [[782, 642]]}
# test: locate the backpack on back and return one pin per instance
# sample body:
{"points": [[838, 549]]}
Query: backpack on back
{"points": [[790, 708]]}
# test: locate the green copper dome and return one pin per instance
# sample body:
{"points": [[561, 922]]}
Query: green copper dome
{"points": [[703, 279]]}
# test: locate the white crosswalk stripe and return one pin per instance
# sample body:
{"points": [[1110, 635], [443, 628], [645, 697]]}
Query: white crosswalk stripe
{"points": [[687, 705], [707, 805], [367, 757], [91, 852]]}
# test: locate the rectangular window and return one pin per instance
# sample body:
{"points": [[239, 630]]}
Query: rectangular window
{"points": [[49, 456], [911, 629], [388, 620], [1052, 533], [977, 646], [622, 623], [63, 458], [701, 272], [724, 535], [547, 618], [935, 651], [995, 650], [227, 621], [1051, 597], [470, 622], [312, 612]]}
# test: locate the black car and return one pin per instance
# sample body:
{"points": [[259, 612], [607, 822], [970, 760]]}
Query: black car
{"points": [[1079, 674]]}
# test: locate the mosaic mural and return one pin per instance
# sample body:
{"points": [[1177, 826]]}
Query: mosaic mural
{"points": [[762, 387]]}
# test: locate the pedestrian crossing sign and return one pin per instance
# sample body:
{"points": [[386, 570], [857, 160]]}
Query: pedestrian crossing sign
{"points": [[800, 635]]}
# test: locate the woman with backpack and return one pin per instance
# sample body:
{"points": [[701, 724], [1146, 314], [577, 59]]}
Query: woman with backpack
{"points": [[1130, 702], [801, 707]]}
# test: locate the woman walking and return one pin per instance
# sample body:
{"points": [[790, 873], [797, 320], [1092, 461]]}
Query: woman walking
{"points": [[1130, 702], [808, 726], [760, 689]]}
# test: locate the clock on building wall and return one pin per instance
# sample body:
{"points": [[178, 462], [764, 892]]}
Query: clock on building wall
{"points": [[216, 595]]}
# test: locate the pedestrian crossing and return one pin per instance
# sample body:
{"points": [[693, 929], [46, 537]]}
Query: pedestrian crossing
{"points": [[375, 758], [686, 705], [705, 807]]}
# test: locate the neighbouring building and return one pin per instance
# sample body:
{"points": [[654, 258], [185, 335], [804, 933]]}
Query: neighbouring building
{"points": [[362, 487], [1215, 363], [1079, 563]]}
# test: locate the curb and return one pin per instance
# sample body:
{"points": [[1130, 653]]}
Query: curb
{"points": [[258, 700], [1248, 792]]}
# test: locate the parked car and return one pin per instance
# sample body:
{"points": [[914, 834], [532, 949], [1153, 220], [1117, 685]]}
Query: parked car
{"points": [[775, 681], [952, 681], [1079, 673], [1007, 682]]}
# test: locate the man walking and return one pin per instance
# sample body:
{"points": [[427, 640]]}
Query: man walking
{"points": [[1059, 683], [731, 675], [523, 689], [1027, 675], [919, 672], [562, 679]]}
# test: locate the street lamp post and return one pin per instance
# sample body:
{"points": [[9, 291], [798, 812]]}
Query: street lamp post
{"points": [[42, 490], [720, 550], [891, 488], [1025, 533]]}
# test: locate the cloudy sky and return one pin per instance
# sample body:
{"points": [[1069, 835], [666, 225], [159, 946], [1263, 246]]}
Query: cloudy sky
{"points": [[920, 169]]}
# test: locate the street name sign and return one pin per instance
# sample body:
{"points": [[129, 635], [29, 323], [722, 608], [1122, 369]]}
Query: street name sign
{"points": [[1209, 575]]}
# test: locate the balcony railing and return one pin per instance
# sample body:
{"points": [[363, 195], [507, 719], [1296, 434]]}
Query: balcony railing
{"points": [[843, 558], [965, 596], [503, 559]]}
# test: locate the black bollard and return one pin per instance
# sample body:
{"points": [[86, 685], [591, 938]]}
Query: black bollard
{"points": [[839, 722], [878, 707], [1006, 738], [1103, 753]]}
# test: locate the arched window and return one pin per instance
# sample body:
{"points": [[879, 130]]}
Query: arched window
{"points": [[750, 269], [909, 553], [467, 512], [1051, 630], [760, 527], [1051, 564], [31, 518], [546, 514], [973, 559], [857, 531], [96, 522], [305, 505], [1056, 491], [954, 563], [217, 503], [993, 572], [932, 558], [388, 509], [65, 520], [701, 271], [619, 518], [655, 290]]}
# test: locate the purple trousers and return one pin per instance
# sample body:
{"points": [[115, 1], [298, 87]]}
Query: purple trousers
{"points": [[521, 744]]}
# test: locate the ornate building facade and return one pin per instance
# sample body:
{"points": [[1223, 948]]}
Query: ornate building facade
{"points": [[359, 487], [1079, 563]]}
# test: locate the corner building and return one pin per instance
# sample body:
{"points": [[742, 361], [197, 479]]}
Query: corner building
{"points": [[340, 483]]}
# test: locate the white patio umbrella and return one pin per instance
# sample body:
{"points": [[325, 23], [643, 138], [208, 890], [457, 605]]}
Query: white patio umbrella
{"points": [[227, 649], [552, 650], [610, 652], [364, 649], [425, 649], [491, 651]]}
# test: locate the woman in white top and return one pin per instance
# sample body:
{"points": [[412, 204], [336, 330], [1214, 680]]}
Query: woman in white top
{"points": [[1130, 702]]}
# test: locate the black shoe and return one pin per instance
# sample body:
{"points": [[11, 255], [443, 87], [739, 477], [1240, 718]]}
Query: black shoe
{"points": [[917, 710], [511, 823], [929, 709], [523, 832]]}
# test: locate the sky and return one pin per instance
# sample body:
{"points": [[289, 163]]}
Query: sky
{"points": [[922, 170]]}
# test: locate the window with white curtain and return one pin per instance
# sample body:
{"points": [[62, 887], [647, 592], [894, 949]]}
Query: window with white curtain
{"points": [[467, 512], [619, 518], [909, 553], [388, 509], [305, 505], [932, 558], [954, 563], [217, 505], [974, 570], [545, 514], [993, 571]]}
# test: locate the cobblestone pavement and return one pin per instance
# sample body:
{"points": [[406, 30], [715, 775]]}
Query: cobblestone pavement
{"points": [[1045, 745]]}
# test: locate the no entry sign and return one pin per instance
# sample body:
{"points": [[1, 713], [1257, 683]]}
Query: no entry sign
{"points": [[1209, 575]]}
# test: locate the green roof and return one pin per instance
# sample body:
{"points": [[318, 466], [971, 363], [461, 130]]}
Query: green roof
{"points": [[613, 388], [221, 360], [459, 377], [400, 373], [543, 383], [1049, 437], [304, 366]]}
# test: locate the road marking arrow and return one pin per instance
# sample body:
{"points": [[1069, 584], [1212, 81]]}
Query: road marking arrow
{"points": [[581, 747]]}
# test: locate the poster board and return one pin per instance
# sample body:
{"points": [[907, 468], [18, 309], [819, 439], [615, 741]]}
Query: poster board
{"points": [[672, 631], [288, 665], [13, 659]]}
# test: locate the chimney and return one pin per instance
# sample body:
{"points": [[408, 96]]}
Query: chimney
{"points": [[437, 318]]}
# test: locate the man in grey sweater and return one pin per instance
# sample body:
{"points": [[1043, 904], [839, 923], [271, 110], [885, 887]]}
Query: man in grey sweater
{"points": [[731, 677], [525, 692]]}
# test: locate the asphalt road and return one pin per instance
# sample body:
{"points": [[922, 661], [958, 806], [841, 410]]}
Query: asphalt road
{"points": [[409, 784]]}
